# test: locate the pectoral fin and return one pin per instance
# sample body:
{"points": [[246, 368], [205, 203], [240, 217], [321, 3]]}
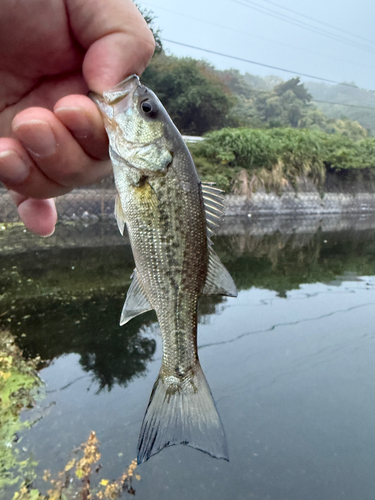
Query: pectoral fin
{"points": [[219, 281], [119, 214], [136, 301]]}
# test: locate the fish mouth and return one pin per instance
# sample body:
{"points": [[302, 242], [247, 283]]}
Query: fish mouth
{"points": [[116, 95], [120, 91]]}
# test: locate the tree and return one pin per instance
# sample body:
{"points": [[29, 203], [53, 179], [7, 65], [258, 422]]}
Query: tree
{"points": [[293, 85], [195, 98]]}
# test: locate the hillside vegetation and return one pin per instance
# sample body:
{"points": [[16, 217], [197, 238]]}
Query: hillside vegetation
{"points": [[243, 160], [260, 132], [200, 99], [353, 103]]}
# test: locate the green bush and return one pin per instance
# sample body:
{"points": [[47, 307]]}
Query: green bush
{"points": [[278, 157]]}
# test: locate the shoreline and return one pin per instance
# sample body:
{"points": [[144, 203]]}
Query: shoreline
{"points": [[93, 233], [304, 203], [98, 204]]}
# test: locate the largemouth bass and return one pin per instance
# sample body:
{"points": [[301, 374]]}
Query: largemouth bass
{"points": [[170, 216]]}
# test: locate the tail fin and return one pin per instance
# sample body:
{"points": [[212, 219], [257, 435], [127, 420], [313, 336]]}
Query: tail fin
{"points": [[182, 411]]}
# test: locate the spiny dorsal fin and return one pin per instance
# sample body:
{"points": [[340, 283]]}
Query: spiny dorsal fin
{"points": [[209, 187], [213, 205], [136, 301], [119, 214], [218, 281]]}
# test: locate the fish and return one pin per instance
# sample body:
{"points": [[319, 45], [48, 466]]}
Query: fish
{"points": [[170, 216]]}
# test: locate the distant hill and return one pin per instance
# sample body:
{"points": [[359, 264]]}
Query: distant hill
{"points": [[349, 98], [353, 103], [271, 102], [200, 99]]}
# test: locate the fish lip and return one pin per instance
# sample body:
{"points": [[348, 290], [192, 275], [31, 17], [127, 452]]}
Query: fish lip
{"points": [[117, 93], [107, 103]]}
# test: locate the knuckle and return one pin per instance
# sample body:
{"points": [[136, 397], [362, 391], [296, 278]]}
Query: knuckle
{"points": [[147, 44]]}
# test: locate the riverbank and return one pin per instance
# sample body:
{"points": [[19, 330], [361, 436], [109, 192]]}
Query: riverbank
{"points": [[91, 205], [95, 233], [289, 203]]}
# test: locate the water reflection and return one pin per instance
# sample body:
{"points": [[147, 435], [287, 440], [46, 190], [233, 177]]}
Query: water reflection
{"points": [[89, 328], [59, 302], [283, 262], [290, 362]]}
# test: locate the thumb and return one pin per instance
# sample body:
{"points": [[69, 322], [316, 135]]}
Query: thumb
{"points": [[116, 37]]}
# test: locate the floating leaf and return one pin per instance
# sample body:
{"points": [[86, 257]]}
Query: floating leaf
{"points": [[70, 465], [46, 475], [34, 495], [79, 473]]}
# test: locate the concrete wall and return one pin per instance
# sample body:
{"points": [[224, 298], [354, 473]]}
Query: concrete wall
{"points": [[88, 204], [300, 203]]}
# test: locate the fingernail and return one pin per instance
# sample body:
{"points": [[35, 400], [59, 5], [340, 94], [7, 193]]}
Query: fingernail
{"points": [[13, 170], [49, 234], [76, 120], [37, 137]]}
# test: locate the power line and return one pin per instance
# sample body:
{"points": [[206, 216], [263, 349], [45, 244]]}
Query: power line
{"points": [[262, 64], [255, 36], [265, 10], [259, 91], [320, 22], [344, 104]]}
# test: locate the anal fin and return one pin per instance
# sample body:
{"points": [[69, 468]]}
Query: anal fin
{"points": [[136, 301]]}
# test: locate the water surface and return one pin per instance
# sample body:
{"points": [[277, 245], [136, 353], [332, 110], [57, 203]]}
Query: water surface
{"points": [[290, 361]]}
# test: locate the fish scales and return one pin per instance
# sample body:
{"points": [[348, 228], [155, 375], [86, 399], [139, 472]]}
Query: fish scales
{"points": [[168, 214], [171, 256]]}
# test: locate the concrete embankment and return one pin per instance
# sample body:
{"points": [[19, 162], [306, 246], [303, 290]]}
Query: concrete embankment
{"points": [[87, 204], [87, 220], [290, 203]]}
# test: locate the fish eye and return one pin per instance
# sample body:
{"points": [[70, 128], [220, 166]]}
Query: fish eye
{"points": [[149, 108]]}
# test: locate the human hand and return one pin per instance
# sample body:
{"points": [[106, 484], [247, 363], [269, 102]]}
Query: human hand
{"points": [[52, 137]]}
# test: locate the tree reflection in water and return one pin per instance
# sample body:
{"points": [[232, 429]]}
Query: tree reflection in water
{"points": [[87, 327], [54, 322]]}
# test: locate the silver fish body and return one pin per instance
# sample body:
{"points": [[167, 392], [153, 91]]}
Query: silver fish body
{"points": [[169, 216]]}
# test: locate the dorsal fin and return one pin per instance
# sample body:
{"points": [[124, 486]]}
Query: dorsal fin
{"points": [[209, 187], [214, 207], [218, 281], [136, 301]]}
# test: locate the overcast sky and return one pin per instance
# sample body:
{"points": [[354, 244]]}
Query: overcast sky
{"points": [[235, 28]]}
